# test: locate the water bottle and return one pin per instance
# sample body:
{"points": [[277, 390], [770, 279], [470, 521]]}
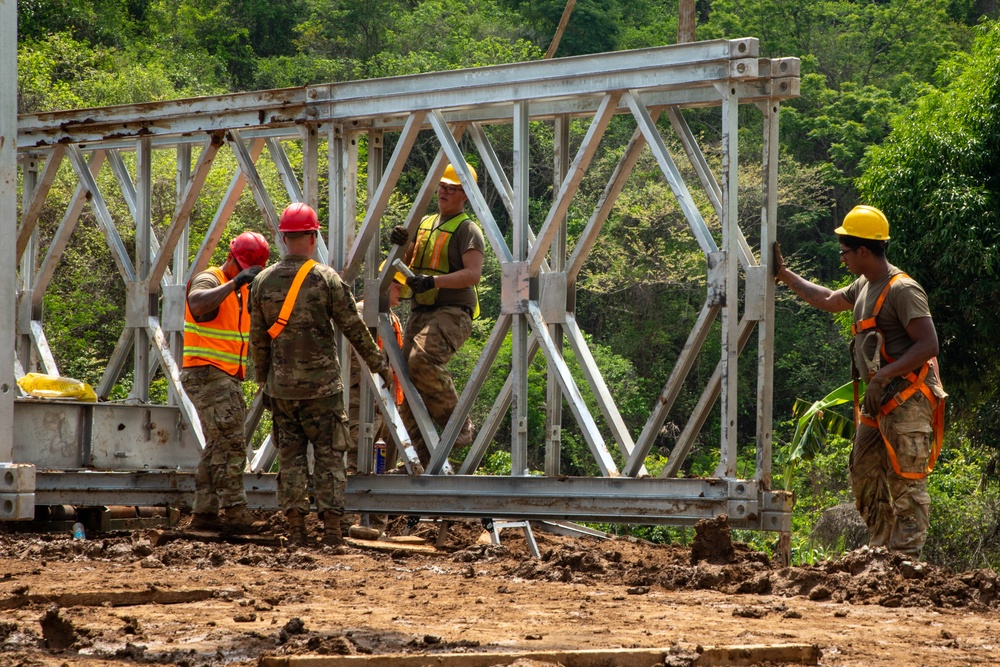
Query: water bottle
{"points": [[78, 532], [380, 456]]}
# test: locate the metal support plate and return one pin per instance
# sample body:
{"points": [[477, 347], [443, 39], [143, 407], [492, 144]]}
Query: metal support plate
{"points": [[515, 288], [753, 308], [716, 279], [174, 298], [553, 297]]}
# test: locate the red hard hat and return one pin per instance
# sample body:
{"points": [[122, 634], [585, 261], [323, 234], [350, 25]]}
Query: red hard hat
{"points": [[298, 217], [250, 249]]}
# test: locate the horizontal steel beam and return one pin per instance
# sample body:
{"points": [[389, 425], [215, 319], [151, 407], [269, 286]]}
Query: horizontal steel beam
{"points": [[676, 74], [604, 500]]}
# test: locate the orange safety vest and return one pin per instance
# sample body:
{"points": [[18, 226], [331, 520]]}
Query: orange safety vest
{"points": [[917, 383], [220, 342], [399, 340]]}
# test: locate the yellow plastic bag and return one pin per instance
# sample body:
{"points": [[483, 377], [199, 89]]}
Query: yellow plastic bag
{"points": [[40, 385]]}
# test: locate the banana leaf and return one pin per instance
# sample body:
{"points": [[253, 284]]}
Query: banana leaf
{"points": [[816, 423]]}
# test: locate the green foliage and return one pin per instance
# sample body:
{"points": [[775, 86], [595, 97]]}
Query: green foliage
{"points": [[60, 72], [867, 43], [592, 28], [107, 22], [832, 128], [965, 509], [937, 178], [815, 423], [647, 23]]}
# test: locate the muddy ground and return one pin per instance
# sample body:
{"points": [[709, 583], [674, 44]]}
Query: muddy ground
{"points": [[145, 597]]}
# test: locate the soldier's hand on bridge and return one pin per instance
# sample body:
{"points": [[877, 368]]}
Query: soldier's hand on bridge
{"points": [[399, 235], [778, 262], [420, 283]]}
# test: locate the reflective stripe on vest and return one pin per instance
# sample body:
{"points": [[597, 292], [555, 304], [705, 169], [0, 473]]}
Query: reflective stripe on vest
{"points": [[222, 341], [430, 254], [917, 383]]}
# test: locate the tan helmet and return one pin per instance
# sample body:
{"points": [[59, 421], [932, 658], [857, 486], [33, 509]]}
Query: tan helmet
{"points": [[451, 178], [865, 222], [397, 276]]}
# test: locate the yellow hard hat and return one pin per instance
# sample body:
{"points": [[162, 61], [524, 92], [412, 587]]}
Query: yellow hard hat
{"points": [[865, 222], [398, 277], [451, 178]]}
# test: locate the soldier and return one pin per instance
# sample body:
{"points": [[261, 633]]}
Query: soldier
{"points": [[447, 258], [294, 306], [900, 422], [377, 522], [216, 324]]}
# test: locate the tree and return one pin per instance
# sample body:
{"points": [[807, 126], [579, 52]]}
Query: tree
{"points": [[937, 178]]}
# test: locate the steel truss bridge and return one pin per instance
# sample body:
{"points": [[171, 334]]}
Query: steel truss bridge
{"points": [[140, 453]]}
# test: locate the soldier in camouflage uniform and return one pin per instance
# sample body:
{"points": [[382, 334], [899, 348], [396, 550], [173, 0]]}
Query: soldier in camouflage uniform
{"points": [[900, 420], [300, 371], [216, 328], [447, 258]]}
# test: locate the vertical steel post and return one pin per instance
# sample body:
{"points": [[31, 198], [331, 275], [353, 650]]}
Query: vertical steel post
{"points": [[366, 406], [519, 331], [143, 236], [8, 220], [180, 262], [25, 312], [765, 331], [310, 165], [553, 394], [730, 310]]}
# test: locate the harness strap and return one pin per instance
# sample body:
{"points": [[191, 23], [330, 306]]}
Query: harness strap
{"points": [[869, 322], [917, 383], [289, 303]]}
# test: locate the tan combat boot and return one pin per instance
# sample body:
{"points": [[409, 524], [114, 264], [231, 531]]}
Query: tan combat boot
{"points": [[331, 530], [296, 528], [205, 521], [237, 520]]}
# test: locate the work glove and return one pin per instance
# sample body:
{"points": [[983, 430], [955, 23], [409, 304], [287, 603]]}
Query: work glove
{"points": [[778, 262], [399, 235], [246, 276], [873, 397], [265, 401], [420, 283]]}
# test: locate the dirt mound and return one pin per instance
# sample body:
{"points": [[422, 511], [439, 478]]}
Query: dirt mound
{"points": [[863, 576], [265, 598]]}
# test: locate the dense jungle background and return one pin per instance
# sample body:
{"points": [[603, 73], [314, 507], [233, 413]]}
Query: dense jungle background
{"points": [[899, 107]]}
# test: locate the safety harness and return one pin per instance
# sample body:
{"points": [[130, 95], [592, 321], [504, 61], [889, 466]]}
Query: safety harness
{"points": [[289, 303], [916, 381]]}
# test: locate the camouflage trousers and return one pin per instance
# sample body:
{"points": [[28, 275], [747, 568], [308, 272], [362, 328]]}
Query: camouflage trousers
{"points": [[218, 398], [896, 509], [432, 337], [296, 423]]}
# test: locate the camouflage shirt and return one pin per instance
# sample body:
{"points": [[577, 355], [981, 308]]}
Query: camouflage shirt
{"points": [[302, 362]]}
